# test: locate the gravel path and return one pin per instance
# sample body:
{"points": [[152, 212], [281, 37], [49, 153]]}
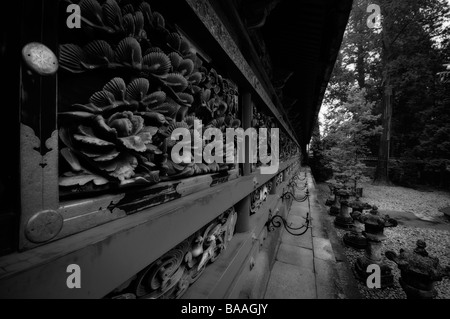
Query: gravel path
{"points": [[424, 205], [438, 245]]}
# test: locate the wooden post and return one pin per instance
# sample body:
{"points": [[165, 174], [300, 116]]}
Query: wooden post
{"points": [[247, 114], [285, 175], [40, 220], [243, 217], [273, 190], [243, 207]]}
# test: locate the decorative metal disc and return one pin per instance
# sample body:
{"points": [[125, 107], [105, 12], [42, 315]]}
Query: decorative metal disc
{"points": [[40, 58], [43, 226]]}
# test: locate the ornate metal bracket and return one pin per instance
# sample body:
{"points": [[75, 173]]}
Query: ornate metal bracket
{"points": [[277, 220], [290, 195], [297, 177], [293, 183]]}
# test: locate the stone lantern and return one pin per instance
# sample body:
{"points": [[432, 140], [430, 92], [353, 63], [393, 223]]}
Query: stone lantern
{"points": [[358, 206], [419, 271], [374, 225], [355, 238], [334, 208], [331, 197], [334, 204], [343, 219]]}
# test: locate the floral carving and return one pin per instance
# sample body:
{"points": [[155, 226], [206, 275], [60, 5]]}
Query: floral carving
{"points": [[122, 134], [209, 17], [258, 197]]}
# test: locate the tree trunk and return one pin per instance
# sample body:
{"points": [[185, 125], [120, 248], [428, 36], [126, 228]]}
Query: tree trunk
{"points": [[361, 74], [382, 171], [361, 25]]}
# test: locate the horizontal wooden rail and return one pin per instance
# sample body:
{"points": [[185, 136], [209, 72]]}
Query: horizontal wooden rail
{"points": [[217, 277], [110, 254]]}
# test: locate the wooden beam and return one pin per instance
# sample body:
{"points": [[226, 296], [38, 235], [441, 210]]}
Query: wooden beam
{"points": [[216, 279], [110, 254]]}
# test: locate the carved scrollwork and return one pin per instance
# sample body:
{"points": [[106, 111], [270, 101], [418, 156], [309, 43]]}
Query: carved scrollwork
{"points": [[280, 179], [171, 275], [258, 197], [287, 147]]}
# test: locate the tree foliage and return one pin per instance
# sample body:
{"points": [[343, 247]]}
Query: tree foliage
{"points": [[404, 56], [348, 129], [411, 31]]}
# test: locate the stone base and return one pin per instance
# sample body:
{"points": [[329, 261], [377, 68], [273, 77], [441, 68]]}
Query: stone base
{"points": [[387, 278], [344, 222], [334, 210], [414, 293], [355, 240], [447, 213]]}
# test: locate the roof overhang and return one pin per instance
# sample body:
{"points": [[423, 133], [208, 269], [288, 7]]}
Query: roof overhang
{"points": [[303, 39]]}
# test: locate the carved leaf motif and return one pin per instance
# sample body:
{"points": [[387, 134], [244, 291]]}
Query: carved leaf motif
{"points": [[153, 149], [81, 180], [117, 87], [136, 142], [92, 11], [176, 81], [112, 15], [186, 67], [157, 62], [129, 52], [126, 123], [71, 57], [71, 159], [137, 89], [107, 157], [154, 99], [99, 52], [122, 167], [92, 140]]}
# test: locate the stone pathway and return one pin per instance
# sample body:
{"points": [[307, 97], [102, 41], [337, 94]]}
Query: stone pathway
{"points": [[310, 266]]}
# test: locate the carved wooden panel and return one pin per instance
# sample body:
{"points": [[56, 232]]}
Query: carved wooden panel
{"points": [[280, 178], [287, 147], [259, 196], [171, 275], [146, 82], [128, 79], [212, 21]]}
